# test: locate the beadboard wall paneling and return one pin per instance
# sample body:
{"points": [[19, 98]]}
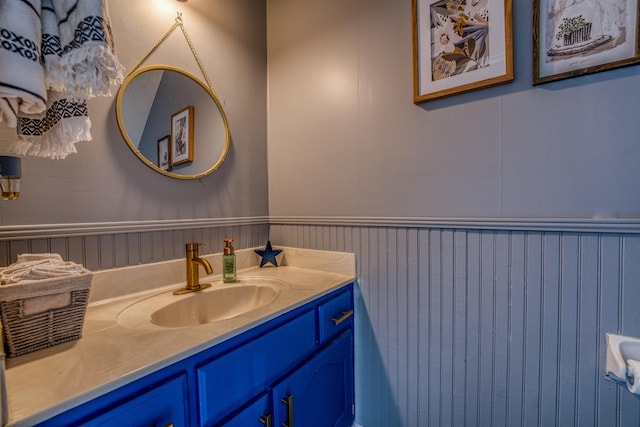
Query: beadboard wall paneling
{"points": [[103, 250], [469, 327]]}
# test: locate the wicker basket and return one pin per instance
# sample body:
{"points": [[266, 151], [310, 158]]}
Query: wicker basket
{"points": [[41, 313]]}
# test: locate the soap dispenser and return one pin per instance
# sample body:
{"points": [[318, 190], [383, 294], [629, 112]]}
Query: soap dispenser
{"points": [[228, 262]]}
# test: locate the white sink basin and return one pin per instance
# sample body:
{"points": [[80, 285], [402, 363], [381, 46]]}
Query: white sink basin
{"points": [[219, 302]]}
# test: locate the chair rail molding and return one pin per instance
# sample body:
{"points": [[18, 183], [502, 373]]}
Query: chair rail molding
{"points": [[583, 225], [45, 231]]}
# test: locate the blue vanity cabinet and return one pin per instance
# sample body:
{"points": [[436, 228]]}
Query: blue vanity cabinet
{"points": [[303, 358]]}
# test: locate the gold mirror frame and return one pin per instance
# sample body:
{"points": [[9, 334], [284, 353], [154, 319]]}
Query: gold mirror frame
{"points": [[200, 138]]}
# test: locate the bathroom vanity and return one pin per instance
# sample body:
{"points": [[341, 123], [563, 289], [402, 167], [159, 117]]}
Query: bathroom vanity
{"points": [[286, 362]]}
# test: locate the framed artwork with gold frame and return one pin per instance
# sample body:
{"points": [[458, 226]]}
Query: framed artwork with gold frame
{"points": [[460, 46]]}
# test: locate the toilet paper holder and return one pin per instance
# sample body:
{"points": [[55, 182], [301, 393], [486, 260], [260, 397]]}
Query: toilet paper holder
{"points": [[622, 361]]}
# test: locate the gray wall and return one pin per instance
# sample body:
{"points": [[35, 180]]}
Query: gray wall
{"points": [[105, 182], [342, 123]]}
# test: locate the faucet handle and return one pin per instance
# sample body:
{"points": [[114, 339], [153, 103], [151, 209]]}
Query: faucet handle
{"points": [[193, 246]]}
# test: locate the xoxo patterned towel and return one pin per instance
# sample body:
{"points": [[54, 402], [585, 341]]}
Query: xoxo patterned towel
{"points": [[75, 59], [22, 86]]}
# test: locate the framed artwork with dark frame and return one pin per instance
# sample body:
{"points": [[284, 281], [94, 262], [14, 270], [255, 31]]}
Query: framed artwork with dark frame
{"points": [[460, 46], [182, 136], [164, 153], [571, 39]]}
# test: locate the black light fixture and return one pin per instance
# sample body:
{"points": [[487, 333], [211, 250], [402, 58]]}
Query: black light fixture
{"points": [[10, 174]]}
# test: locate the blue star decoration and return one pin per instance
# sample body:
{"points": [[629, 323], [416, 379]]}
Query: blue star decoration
{"points": [[268, 254]]}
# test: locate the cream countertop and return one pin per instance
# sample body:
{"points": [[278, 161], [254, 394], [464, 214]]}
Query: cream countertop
{"points": [[50, 381]]}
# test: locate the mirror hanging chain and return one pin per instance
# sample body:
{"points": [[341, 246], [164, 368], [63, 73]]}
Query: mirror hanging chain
{"points": [[178, 23]]}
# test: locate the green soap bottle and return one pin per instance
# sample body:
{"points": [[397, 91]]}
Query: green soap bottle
{"points": [[228, 262]]}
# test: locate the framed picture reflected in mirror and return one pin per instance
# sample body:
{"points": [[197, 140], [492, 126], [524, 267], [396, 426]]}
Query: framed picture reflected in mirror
{"points": [[182, 136], [164, 153]]}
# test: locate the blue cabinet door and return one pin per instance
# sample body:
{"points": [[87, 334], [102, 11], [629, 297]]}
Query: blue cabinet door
{"points": [[320, 392]]}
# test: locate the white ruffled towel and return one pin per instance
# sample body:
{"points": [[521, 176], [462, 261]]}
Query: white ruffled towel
{"points": [[54, 55], [36, 267]]}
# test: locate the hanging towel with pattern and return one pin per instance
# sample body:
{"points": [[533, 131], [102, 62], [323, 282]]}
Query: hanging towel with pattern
{"points": [[54, 55]]}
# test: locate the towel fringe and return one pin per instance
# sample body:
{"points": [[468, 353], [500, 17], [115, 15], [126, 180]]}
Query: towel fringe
{"points": [[85, 73], [57, 143]]}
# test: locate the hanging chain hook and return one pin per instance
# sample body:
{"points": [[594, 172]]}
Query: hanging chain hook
{"points": [[176, 24]]}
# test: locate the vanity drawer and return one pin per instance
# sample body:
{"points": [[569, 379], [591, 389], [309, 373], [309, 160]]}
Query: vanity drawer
{"points": [[162, 405], [229, 381], [335, 315]]}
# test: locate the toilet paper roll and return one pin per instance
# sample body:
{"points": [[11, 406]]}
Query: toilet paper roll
{"points": [[633, 376]]}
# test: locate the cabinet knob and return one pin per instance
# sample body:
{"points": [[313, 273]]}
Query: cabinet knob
{"points": [[288, 401], [345, 315]]}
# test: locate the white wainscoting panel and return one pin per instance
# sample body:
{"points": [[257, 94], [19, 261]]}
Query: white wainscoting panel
{"points": [[477, 327], [99, 249], [455, 326]]}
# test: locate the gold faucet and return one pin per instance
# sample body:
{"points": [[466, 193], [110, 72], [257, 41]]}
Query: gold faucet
{"points": [[193, 261]]}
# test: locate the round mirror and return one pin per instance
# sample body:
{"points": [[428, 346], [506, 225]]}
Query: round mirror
{"points": [[172, 122]]}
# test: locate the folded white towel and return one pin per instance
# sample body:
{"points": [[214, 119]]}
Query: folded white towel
{"points": [[38, 257], [36, 267], [48, 270]]}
